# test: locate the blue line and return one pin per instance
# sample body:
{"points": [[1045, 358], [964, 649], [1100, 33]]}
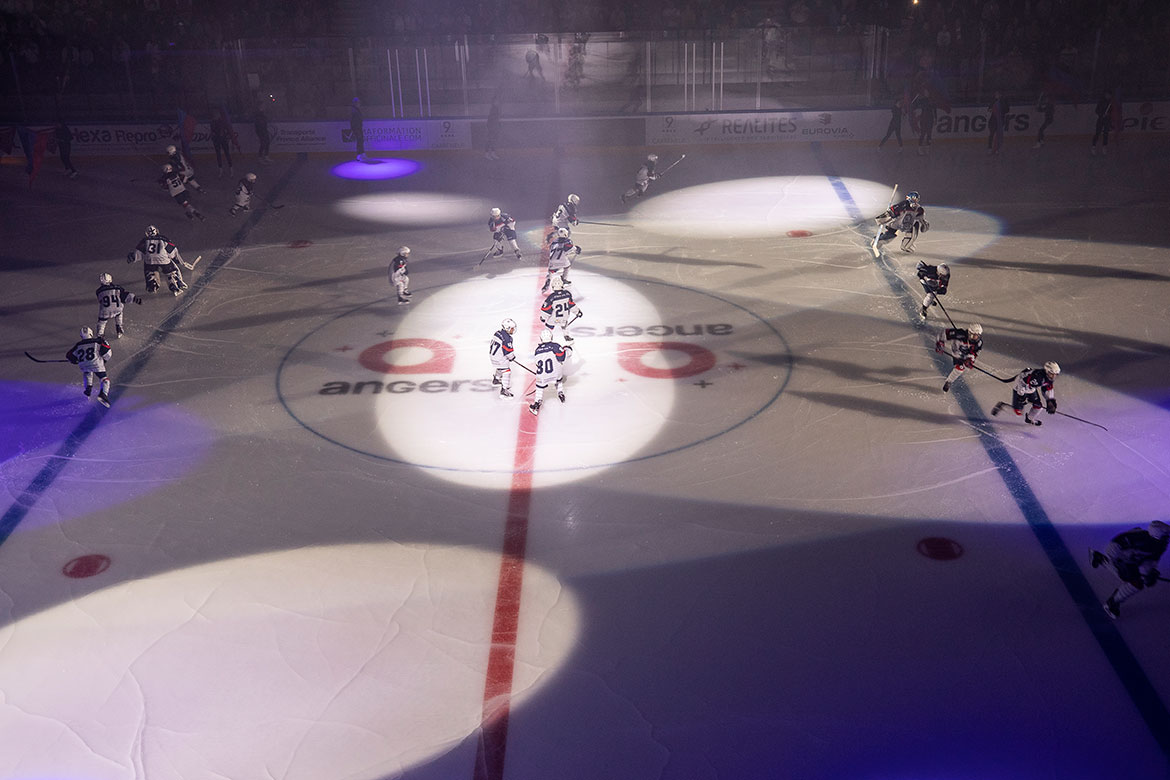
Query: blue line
{"points": [[45, 478], [1121, 658]]}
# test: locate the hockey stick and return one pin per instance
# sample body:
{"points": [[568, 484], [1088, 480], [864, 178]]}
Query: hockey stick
{"points": [[526, 368], [38, 360], [944, 311], [977, 368], [607, 224], [485, 257], [1063, 414], [676, 162], [191, 266], [873, 247]]}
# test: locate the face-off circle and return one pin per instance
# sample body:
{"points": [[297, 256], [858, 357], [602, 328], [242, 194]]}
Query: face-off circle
{"points": [[654, 368]]}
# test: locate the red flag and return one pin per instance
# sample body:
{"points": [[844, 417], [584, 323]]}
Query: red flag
{"points": [[188, 131], [38, 153]]}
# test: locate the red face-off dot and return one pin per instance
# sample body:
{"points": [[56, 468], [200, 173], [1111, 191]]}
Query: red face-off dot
{"points": [[799, 233], [86, 566], [940, 548]]}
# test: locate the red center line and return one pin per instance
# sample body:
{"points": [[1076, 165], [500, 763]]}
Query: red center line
{"points": [[497, 694]]}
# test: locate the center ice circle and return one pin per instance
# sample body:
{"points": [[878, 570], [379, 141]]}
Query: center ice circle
{"points": [[415, 385]]}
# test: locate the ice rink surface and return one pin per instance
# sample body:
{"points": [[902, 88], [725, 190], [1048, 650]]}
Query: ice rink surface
{"points": [[309, 542]]}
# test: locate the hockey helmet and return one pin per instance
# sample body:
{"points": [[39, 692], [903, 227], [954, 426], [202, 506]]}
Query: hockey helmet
{"points": [[168, 168], [975, 330], [105, 279], [944, 269], [545, 336], [557, 283], [404, 251], [250, 176], [653, 158], [574, 199], [1052, 367], [86, 333], [913, 197], [563, 232], [170, 150], [509, 325], [495, 213], [1159, 530], [151, 230]]}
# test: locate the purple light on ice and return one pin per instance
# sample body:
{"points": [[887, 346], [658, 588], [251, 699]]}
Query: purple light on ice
{"points": [[376, 168]]}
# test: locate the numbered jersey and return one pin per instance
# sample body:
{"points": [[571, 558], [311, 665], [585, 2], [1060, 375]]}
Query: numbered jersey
{"points": [[502, 226], [960, 343], [1034, 380], [557, 307], [173, 183], [565, 216], [157, 250], [111, 300], [500, 349], [550, 359], [561, 251], [90, 355]]}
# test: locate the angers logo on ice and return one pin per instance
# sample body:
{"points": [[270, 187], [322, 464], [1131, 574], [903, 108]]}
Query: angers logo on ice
{"points": [[416, 386]]}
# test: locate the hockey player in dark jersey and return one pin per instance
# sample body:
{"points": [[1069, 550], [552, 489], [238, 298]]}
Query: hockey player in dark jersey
{"points": [[111, 303], [549, 358], [1033, 384], [90, 355], [1133, 556], [962, 346], [906, 216], [642, 179], [502, 353], [934, 279], [172, 181], [159, 256], [503, 228], [184, 168], [559, 310], [399, 275]]}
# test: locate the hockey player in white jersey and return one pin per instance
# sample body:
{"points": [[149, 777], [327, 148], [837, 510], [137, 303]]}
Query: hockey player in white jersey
{"points": [[642, 179], [565, 217], [400, 275], [90, 355], [1133, 556], [559, 310], [961, 345], [503, 228], [172, 181], [184, 168], [244, 194], [502, 353], [550, 361], [560, 257], [159, 257], [907, 217], [1033, 385], [112, 299]]}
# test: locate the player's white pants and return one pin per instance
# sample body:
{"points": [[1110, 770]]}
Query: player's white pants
{"points": [[560, 381], [87, 380], [956, 372], [561, 324], [504, 375], [402, 285], [101, 326]]}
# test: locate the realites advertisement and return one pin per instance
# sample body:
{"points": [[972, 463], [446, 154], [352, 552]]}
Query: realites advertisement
{"points": [[766, 127]]}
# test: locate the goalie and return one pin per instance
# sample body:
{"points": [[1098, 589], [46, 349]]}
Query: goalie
{"points": [[906, 217]]}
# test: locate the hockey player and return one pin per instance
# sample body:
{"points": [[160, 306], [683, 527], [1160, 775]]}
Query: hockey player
{"points": [[1133, 556], [501, 353], [1031, 384], [159, 256], [244, 194], [642, 178], [906, 216], [549, 358], [90, 355], [183, 167], [111, 302], [400, 275], [565, 217], [503, 228], [559, 310], [172, 181], [934, 279], [560, 257], [961, 345]]}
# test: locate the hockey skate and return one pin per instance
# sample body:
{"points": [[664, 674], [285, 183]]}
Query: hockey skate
{"points": [[561, 395], [1096, 559], [947, 388], [104, 400], [87, 391], [923, 312], [519, 256], [505, 392], [998, 408], [403, 301], [1112, 608], [534, 407], [1030, 421], [496, 380], [119, 333]]}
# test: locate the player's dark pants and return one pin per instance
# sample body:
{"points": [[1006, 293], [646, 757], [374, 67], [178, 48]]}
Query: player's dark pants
{"points": [[221, 144], [895, 129], [1018, 401], [1102, 130], [64, 148], [265, 142]]}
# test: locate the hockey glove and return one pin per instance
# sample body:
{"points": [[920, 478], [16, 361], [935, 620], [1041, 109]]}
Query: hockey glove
{"points": [[1051, 406], [970, 361], [938, 347], [131, 256], [1150, 578]]}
